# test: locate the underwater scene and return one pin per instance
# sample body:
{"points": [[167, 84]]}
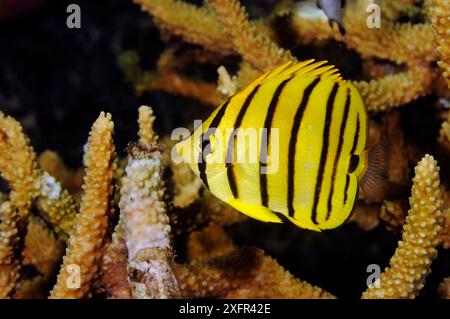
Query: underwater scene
{"points": [[225, 149]]}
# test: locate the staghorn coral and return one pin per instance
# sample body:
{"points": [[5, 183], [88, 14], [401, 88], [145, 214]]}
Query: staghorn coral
{"points": [[18, 166], [393, 214], [187, 185], [399, 42], [165, 80], [445, 233], [138, 261], [409, 85], [58, 205], [182, 19], [444, 288], [113, 267], [50, 162], [366, 216], [397, 68], [242, 273], [411, 262], [95, 210], [255, 48], [254, 41], [394, 9], [145, 121], [211, 241], [20, 169], [146, 225], [9, 240], [43, 251], [439, 16]]}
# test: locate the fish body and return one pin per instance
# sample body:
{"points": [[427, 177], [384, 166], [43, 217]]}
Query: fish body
{"points": [[291, 145], [333, 10]]}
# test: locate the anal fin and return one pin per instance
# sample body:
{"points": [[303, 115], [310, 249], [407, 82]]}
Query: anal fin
{"points": [[255, 211]]}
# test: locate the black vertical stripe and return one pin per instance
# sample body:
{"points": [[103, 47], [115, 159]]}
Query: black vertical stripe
{"points": [[347, 180], [357, 132], [355, 143], [265, 146], [293, 142], [324, 151], [214, 125], [232, 140], [339, 150]]}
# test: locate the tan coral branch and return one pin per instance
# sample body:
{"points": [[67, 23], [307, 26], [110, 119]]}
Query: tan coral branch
{"points": [[43, 251], [52, 163], [242, 273], [439, 15], [166, 80], [197, 25], [18, 165], [398, 42], [397, 89], [57, 205], [254, 47], [209, 242], [9, 240], [85, 245], [145, 120], [412, 259]]}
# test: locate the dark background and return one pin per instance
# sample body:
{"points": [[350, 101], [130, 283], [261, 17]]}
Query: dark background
{"points": [[56, 80]]}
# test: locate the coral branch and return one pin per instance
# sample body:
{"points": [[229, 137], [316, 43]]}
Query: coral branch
{"points": [[398, 42], [394, 9], [197, 25], [43, 251], [57, 206], [114, 273], [146, 225], [439, 16], [411, 262], [9, 240], [242, 273], [444, 288], [52, 163], [18, 165], [256, 48], [379, 95], [167, 81], [187, 185], [85, 244], [211, 241], [146, 119]]}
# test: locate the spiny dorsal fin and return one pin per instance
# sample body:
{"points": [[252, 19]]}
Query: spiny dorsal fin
{"points": [[308, 67]]}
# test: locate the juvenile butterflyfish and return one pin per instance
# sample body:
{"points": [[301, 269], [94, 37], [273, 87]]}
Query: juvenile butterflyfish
{"points": [[333, 10], [291, 146]]}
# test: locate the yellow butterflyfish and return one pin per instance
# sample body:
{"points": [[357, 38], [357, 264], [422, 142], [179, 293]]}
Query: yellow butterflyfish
{"points": [[290, 146]]}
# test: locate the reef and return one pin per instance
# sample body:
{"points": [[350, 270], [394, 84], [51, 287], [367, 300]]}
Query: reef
{"points": [[116, 227]]}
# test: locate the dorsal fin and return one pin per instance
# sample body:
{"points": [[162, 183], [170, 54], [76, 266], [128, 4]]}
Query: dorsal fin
{"points": [[308, 67]]}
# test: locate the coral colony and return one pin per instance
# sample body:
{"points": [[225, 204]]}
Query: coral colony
{"points": [[108, 229]]}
